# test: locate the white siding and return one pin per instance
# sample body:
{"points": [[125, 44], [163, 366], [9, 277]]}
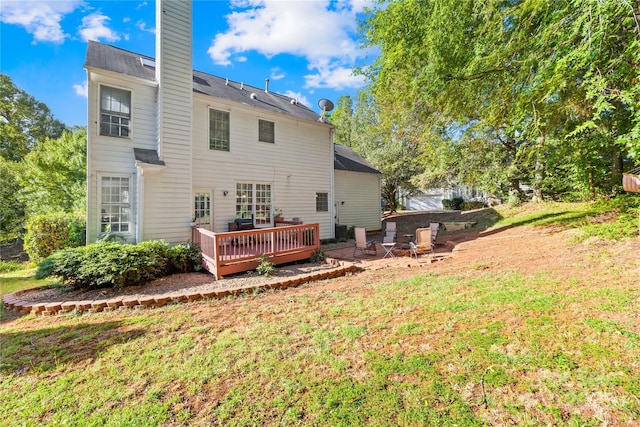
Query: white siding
{"points": [[167, 194], [357, 199], [298, 165], [111, 155]]}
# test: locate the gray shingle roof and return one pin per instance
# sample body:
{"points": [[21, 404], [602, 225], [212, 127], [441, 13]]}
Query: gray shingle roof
{"points": [[110, 58], [347, 160], [147, 156]]}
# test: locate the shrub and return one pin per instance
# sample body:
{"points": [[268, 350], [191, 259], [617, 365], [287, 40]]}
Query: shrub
{"points": [[351, 232], [266, 267], [9, 266], [317, 255], [185, 257], [453, 204], [48, 233], [469, 206], [108, 264]]}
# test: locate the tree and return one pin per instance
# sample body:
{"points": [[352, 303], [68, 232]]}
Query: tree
{"points": [[24, 121], [525, 76], [391, 150], [11, 208], [343, 114], [53, 177]]}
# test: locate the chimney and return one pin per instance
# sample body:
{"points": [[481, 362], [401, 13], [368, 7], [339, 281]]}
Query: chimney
{"points": [[170, 192]]}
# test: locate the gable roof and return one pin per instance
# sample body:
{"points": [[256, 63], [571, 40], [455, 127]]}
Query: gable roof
{"points": [[110, 58], [347, 160]]}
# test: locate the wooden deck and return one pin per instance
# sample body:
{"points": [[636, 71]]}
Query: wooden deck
{"points": [[238, 251]]}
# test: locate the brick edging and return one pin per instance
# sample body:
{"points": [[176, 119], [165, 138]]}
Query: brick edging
{"points": [[13, 302]]}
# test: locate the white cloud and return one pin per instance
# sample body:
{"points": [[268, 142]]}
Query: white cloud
{"points": [[334, 77], [320, 31], [298, 97], [141, 5], [143, 26], [40, 18], [81, 89], [93, 28], [277, 74]]}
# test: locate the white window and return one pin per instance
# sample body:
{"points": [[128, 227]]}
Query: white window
{"points": [[202, 209], [254, 201], [115, 207], [115, 111], [322, 202], [218, 130], [266, 131]]}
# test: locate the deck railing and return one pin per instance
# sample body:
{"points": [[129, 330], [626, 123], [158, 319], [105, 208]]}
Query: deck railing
{"points": [[238, 251]]}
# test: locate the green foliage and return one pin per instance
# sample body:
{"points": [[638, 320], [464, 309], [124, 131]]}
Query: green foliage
{"points": [[11, 208], [453, 204], [495, 108], [389, 149], [317, 256], [469, 206], [185, 257], [9, 266], [266, 267], [53, 175], [48, 233], [110, 264], [24, 121], [351, 232]]}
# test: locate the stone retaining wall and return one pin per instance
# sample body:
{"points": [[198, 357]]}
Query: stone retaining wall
{"points": [[13, 301]]}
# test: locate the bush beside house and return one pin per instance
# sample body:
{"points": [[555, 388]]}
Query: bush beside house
{"points": [[49, 233], [117, 265]]}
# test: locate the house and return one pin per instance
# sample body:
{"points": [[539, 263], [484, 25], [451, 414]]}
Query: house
{"points": [[169, 146], [431, 199], [357, 190]]}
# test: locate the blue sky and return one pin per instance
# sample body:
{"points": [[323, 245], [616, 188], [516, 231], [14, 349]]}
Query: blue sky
{"points": [[307, 48]]}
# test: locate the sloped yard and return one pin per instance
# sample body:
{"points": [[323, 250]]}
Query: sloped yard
{"points": [[522, 325]]}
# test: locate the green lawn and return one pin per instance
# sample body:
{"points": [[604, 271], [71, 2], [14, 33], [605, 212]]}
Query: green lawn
{"points": [[474, 348]]}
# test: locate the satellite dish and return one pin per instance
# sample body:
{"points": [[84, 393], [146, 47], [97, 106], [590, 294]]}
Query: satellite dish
{"points": [[325, 104]]}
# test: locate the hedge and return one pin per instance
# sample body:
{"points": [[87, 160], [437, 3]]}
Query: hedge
{"points": [[117, 265], [49, 233]]}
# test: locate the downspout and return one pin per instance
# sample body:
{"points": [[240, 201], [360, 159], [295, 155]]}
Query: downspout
{"points": [[332, 222]]}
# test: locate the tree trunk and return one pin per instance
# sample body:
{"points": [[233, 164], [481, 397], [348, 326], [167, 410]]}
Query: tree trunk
{"points": [[616, 172], [539, 172]]}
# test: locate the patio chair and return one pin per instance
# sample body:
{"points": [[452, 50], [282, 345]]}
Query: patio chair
{"points": [[366, 247], [434, 227], [389, 233], [423, 244]]}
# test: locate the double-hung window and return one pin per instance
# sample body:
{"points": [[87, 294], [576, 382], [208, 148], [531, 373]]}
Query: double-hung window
{"points": [[218, 130], [266, 131], [115, 204], [115, 112]]}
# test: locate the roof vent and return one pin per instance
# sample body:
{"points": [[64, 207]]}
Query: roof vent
{"points": [[266, 85], [226, 82], [293, 101], [241, 86], [253, 95]]}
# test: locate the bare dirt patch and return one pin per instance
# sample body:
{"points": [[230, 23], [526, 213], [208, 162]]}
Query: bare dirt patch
{"points": [[526, 249]]}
